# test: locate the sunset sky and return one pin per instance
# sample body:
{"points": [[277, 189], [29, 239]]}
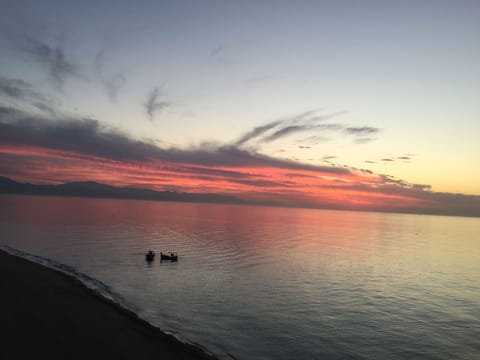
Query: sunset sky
{"points": [[371, 105]]}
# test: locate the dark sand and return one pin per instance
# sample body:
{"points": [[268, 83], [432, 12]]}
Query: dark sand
{"points": [[45, 314]]}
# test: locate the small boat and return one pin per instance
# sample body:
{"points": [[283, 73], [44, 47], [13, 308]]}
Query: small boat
{"points": [[170, 256], [149, 256]]}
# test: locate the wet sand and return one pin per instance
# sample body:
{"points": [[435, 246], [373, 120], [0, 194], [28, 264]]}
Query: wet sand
{"points": [[46, 314]]}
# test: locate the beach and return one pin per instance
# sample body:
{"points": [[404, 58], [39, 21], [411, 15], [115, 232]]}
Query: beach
{"points": [[47, 314]]}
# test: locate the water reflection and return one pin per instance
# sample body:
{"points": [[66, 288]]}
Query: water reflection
{"points": [[272, 283]]}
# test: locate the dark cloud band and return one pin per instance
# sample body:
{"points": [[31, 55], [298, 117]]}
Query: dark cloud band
{"points": [[87, 136]]}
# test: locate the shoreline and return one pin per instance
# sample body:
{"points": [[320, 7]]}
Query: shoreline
{"points": [[47, 313]]}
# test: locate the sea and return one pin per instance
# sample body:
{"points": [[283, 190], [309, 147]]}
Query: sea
{"points": [[257, 282]]}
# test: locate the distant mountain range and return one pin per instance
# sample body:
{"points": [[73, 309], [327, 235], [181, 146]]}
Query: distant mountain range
{"points": [[98, 190]]}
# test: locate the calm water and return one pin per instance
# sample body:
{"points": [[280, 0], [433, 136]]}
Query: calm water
{"points": [[273, 283]]}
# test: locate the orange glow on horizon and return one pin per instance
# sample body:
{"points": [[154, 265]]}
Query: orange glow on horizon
{"points": [[294, 187]]}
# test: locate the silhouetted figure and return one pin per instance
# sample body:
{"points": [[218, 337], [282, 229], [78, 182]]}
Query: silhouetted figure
{"points": [[150, 255]]}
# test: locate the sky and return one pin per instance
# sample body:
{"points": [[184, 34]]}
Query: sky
{"points": [[364, 105]]}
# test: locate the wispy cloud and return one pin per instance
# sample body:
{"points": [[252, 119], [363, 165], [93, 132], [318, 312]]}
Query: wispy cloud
{"points": [[222, 55], [20, 90], [361, 130], [389, 158], [287, 130], [45, 108], [363, 134], [52, 57], [363, 140], [153, 104], [293, 129], [112, 82], [315, 139], [217, 50], [15, 88], [309, 121], [277, 129], [256, 132]]}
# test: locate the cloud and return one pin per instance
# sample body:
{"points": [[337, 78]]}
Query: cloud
{"points": [[223, 55], [287, 130], [281, 128], [421, 187], [210, 171], [391, 158], [88, 137], [45, 108], [18, 89], [315, 139], [14, 88], [217, 50], [235, 157], [362, 130], [256, 132], [292, 129], [51, 57], [154, 105], [21, 90], [364, 140], [112, 82], [7, 113], [295, 175], [34, 147], [83, 136], [362, 133]]}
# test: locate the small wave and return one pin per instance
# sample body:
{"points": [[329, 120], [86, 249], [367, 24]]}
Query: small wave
{"points": [[93, 284]]}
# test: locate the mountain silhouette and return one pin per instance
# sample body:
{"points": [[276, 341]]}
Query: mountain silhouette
{"points": [[99, 190]]}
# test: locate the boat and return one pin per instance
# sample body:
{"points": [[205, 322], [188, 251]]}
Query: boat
{"points": [[150, 255], [170, 256]]}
